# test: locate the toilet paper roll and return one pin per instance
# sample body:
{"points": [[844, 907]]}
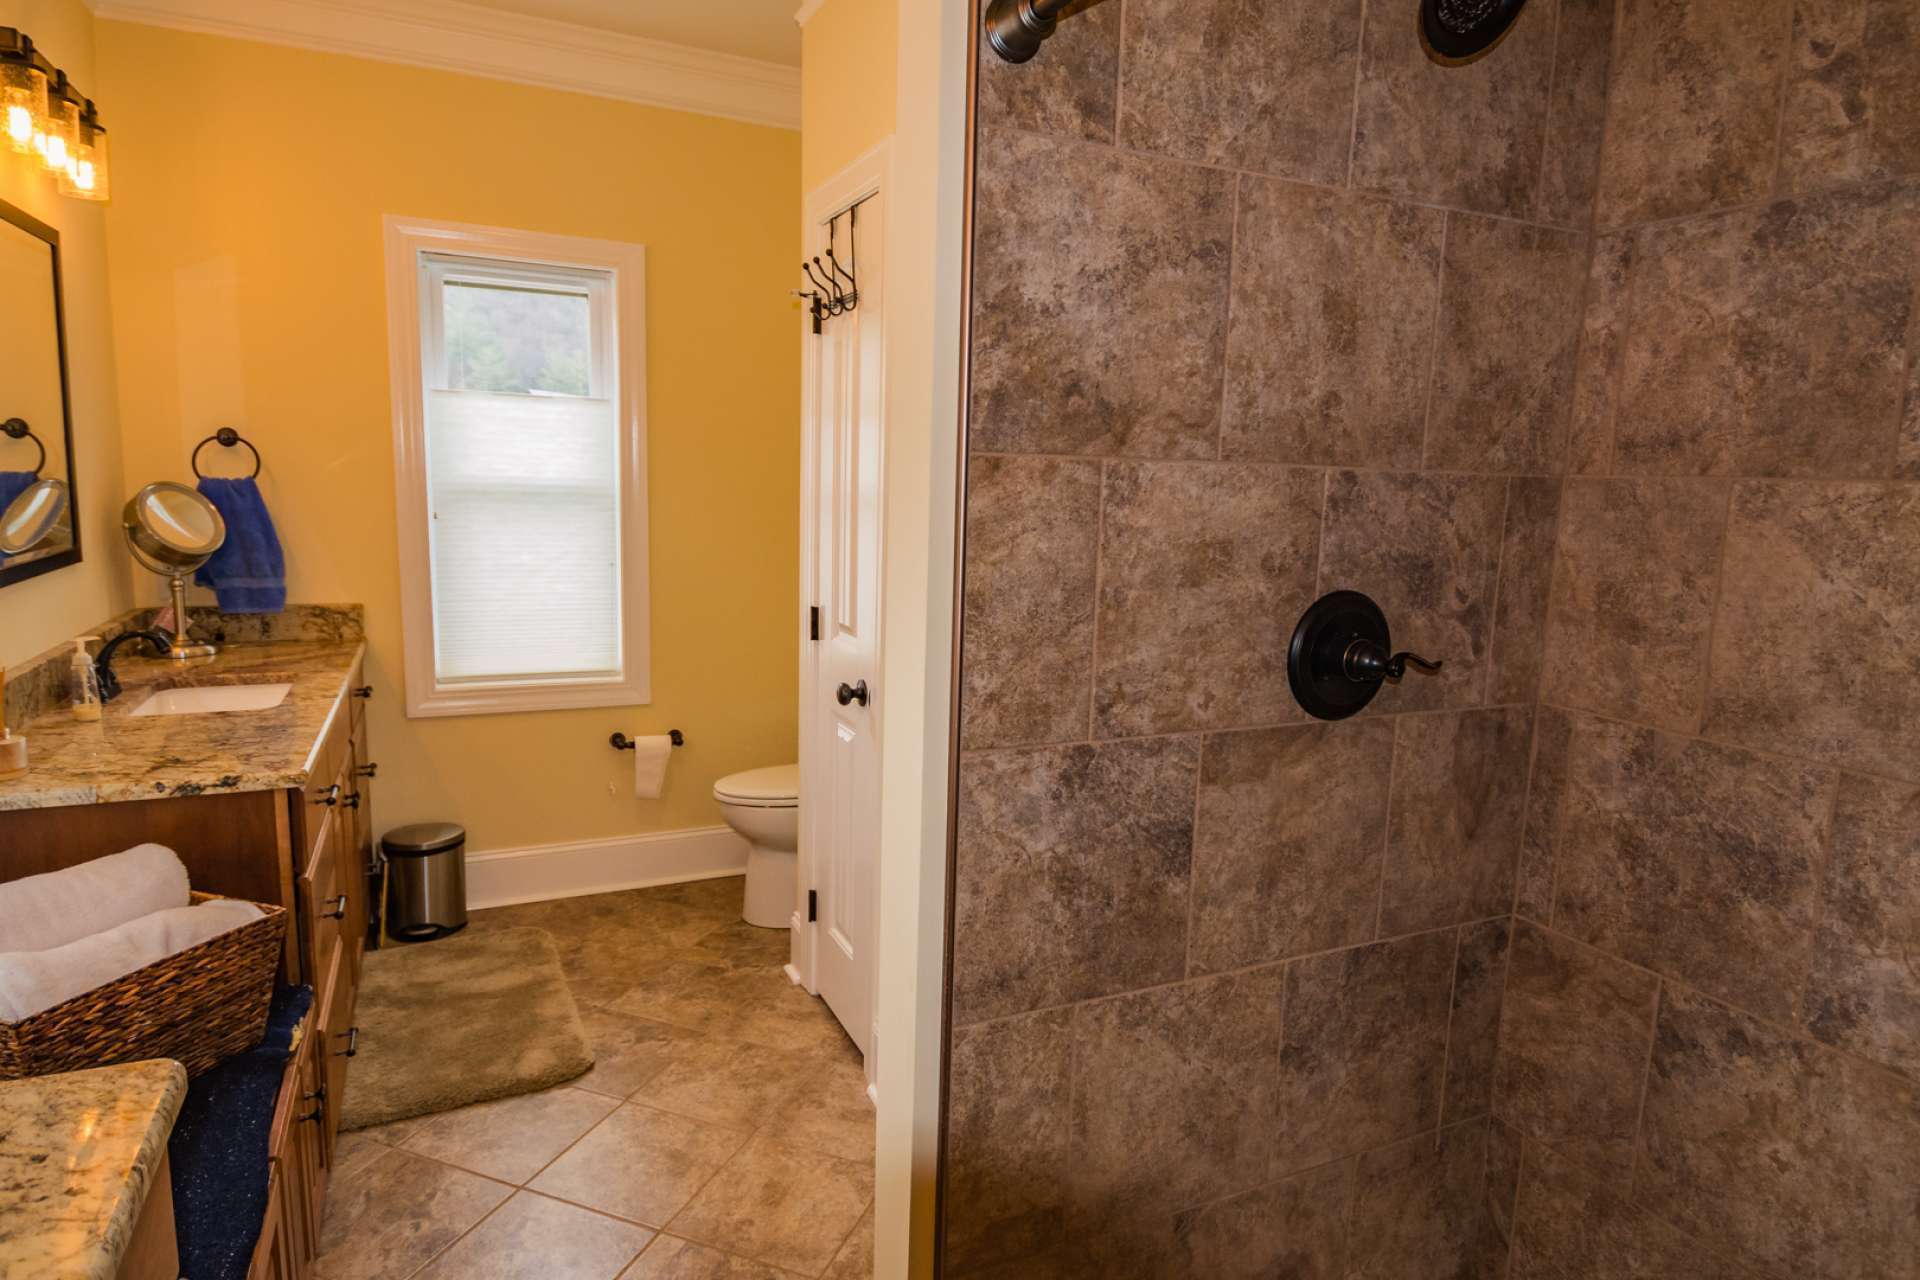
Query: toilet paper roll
{"points": [[651, 756]]}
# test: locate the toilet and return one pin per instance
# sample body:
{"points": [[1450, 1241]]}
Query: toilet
{"points": [[763, 805]]}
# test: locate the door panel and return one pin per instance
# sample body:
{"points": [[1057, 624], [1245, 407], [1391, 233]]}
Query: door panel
{"points": [[841, 804]]}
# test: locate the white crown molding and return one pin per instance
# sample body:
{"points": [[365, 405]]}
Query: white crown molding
{"points": [[450, 36], [804, 14]]}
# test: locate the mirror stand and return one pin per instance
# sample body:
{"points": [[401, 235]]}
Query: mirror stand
{"points": [[183, 646]]}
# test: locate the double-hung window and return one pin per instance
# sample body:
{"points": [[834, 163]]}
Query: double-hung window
{"points": [[518, 395]]}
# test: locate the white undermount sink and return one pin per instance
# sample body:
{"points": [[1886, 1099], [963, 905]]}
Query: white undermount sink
{"points": [[206, 699]]}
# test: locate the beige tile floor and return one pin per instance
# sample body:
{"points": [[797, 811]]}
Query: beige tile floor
{"points": [[724, 1131]]}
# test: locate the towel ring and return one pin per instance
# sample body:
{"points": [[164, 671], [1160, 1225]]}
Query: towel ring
{"points": [[17, 429], [228, 437]]}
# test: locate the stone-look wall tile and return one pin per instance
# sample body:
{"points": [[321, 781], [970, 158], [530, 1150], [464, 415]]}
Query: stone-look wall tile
{"points": [[1572, 1228], [1033, 529], [1291, 829], [1205, 570], [1426, 548], [1546, 807], [1792, 1156], [1851, 112], [1695, 860], [1907, 451], [1296, 1228], [1521, 598], [1172, 1106], [1813, 650], [1363, 1048], [1473, 1036], [1334, 298], [1633, 598], [1471, 136], [1459, 800], [1265, 87], [1081, 256], [1695, 107], [1865, 991], [1577, 116], [1574, 1034], [1597, 380], [1074, 91], [1072, 873], [1504, 361], [1421, 1211], [1007, 1157], [1772, 341]]}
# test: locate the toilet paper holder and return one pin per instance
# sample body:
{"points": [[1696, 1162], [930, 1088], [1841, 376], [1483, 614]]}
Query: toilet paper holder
{"points": [[621, 742]]}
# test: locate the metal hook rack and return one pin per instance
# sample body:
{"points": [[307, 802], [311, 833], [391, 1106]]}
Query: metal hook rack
{"points": [[621, 742], [229, 438], [829, 297], [17, 429]]}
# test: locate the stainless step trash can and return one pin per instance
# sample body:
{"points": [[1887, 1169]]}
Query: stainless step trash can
{"points": [[426, 880]]}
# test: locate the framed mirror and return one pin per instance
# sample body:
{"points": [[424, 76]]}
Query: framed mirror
{"points": [[37, 503]]}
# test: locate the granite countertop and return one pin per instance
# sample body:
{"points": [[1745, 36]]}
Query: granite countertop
{"points": [[122, 757], [78, 1153]]}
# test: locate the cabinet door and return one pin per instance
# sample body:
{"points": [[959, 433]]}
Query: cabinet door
{"points": [[339, 1041]]}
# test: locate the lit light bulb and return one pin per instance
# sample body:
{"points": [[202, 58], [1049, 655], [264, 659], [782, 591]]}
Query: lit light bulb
{"points": [[23, 96], [85, 176], [57, 137]]}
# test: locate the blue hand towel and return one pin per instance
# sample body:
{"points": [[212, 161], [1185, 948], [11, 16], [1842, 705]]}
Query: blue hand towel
{"points": [[12, 485], [248, 573]]}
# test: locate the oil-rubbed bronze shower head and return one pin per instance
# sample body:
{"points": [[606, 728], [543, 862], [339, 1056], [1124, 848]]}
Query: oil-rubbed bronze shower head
{"points": [[1017, 28], [1457, 31]]}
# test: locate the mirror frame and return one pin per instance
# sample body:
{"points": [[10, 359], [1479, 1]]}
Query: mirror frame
{"points": [[10, 574]]}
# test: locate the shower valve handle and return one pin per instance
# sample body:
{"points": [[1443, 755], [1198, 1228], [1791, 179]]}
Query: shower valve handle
{"points": [[1366, 662]]}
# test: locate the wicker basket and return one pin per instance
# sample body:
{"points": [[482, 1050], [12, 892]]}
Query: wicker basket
{"points": [[196, 1006]]}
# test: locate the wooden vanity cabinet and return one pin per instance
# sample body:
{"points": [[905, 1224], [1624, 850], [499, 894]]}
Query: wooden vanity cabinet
{"points": [[309, 850]]}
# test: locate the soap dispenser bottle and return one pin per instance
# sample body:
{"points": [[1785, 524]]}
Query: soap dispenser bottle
{"points": [[85, 682]]}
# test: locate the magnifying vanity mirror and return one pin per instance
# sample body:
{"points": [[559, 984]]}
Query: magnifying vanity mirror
{"points": [[173, 530], [38, 533]]}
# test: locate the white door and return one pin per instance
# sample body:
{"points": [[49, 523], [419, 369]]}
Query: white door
{"points": [[840, 784]]}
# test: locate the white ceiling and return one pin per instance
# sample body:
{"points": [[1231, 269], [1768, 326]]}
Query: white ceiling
{"points": [[762, 29]]}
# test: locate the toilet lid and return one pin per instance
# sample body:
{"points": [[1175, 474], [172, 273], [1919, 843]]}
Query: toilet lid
{"points": [[775, 787]]}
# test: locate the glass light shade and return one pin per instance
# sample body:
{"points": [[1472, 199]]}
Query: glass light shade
{"points": [[85, 177], [23, 104], [59, 132]]}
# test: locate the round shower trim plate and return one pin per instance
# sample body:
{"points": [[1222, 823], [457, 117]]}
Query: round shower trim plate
{"points": [[1459, 31]]}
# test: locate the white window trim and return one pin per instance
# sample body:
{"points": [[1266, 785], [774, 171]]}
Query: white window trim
{"points": [[406, 240]]}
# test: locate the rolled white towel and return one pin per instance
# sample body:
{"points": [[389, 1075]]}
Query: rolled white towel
{"points": [[46, 911], [33, 981]]}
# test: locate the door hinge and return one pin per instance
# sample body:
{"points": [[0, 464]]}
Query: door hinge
{"points": [[813, 623], [813, 905]]}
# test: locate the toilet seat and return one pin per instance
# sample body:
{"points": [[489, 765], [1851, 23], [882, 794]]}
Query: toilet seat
{"points": [[777, 787]]}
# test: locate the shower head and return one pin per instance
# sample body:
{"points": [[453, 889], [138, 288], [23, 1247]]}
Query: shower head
{"points": [[1457, 31]]}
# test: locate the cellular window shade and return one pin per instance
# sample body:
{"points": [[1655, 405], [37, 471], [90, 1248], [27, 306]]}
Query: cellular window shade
{"points": [[525, 533]]}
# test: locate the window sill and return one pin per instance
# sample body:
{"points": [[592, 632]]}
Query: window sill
{"points": [[458, 701]]}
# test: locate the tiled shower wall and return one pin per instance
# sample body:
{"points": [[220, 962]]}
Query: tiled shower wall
{"points": [[1710, 1049], [1265, 304]]}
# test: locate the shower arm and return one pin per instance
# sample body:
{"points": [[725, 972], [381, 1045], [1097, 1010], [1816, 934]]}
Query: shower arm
{"points": [[1017, 28]]}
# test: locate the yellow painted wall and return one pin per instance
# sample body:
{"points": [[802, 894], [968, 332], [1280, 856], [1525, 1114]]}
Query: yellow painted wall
{"points": [[848, 56], [37, 614], [248, 289]]}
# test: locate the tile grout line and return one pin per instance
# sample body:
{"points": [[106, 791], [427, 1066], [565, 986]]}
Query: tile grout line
{"points": [[1634, 1140], [1000, 1019], [1705, 659], [1777, 180], [1386, 838], [1433, 345], [1282, 464], [1491, 664], [1099, 580], [1546, 128], [1359, 82], [1446, 1040], [1226, 320]]}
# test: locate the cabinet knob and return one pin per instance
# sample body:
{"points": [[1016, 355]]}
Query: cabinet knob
{"points": [[364, 691], [368, 770], [339, 911], [331, 796], [353, 1043], [353, 800]]}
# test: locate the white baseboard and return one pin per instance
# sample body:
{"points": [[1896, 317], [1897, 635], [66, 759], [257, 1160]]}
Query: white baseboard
{"points": [[793, 976], [505, 877]]}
